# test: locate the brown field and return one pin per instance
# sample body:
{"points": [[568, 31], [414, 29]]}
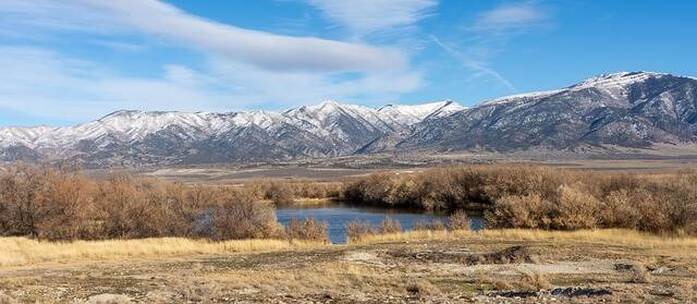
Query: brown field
{"points": [[498, 266]]}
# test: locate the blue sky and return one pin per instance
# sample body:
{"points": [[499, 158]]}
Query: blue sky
{"points": [[69, 61]]}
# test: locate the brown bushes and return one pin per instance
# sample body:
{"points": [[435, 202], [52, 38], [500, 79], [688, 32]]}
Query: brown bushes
{"points": [[240, 216], [355, 230], [543, 198], [459, 221], [43, 203], [58, 205], [389, 225], [283, 193], [308, 229], [280, 194]]}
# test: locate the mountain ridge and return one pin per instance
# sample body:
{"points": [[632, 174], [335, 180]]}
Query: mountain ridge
{"points": [[627, 109]]}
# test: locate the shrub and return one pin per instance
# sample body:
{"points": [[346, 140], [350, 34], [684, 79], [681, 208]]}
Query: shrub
{"points": [[389, 225], [281, 194], [239, 215], [355, 230], [435, 225], [619, 210], [459, 221], [514, 211], [308, 229], [574, 209]]}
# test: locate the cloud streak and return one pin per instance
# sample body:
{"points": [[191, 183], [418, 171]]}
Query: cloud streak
{"points": [[479, 67], [510, 17], [261, 49], [369, 16]]}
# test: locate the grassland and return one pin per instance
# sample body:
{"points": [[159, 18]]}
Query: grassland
{"points": [[496, 266], [20, 251]]}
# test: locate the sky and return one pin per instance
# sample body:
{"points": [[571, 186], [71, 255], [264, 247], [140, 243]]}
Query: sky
{"points": [[71, 61]]}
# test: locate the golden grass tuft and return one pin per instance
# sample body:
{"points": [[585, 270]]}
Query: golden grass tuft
{"points": [[18, 251]]}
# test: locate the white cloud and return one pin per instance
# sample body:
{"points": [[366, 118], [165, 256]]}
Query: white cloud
{"points": [[45, 83], [367, 16], [49, 84], [240, 69], [262, 49], [510, 17]]}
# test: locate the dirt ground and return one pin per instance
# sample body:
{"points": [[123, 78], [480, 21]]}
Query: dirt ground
{"points": [[464, 270]]}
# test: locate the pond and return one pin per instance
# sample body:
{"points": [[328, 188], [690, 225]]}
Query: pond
{"points": [[337, 216]]}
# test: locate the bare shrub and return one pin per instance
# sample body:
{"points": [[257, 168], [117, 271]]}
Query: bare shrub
{"points": [[125, 211], [574, 209], [355, 230], [434, 225], [22, 196], [514, 211], [308, 229], [281, 194], [459, 221], [619, 210], [239, 215], [654, 214], [389, 225]]}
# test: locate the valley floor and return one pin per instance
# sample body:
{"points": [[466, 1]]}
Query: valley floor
{"points": [[497, 266]]}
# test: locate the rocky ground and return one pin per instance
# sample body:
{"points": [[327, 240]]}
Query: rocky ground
{"points": [[464, 270]]}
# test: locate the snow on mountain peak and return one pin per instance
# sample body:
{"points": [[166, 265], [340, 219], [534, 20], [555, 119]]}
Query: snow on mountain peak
{"points": [[422, 110], [519, 97], [614, 81], [133, 125], [620, 79]]}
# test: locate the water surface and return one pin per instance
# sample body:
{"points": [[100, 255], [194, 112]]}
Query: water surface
{"points": [[337, 216]]}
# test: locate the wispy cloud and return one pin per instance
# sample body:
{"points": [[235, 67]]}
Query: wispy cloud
{"points": [[489, 33], [239, 68], [46, 83], [478, 66], [510, 17], [368, 16], [262, 49]]}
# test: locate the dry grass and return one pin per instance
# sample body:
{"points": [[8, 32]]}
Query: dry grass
{"points": [[609, 236], [334, 275], [625, 237], [18, 251], [414, 235]]}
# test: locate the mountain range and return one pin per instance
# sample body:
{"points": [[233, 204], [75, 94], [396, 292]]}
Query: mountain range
{"points": [[628, 109]]}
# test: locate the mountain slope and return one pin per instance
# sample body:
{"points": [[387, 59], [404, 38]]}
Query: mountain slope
{"points": [[133, 138], [637, 110], [625, 109]]}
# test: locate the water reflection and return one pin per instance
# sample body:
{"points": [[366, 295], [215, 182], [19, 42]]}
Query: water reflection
{"points": [[337, 216]]}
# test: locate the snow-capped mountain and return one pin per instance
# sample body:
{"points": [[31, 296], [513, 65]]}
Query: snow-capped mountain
{"points": [[628, 109], [136, 137], [637, 109]]}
